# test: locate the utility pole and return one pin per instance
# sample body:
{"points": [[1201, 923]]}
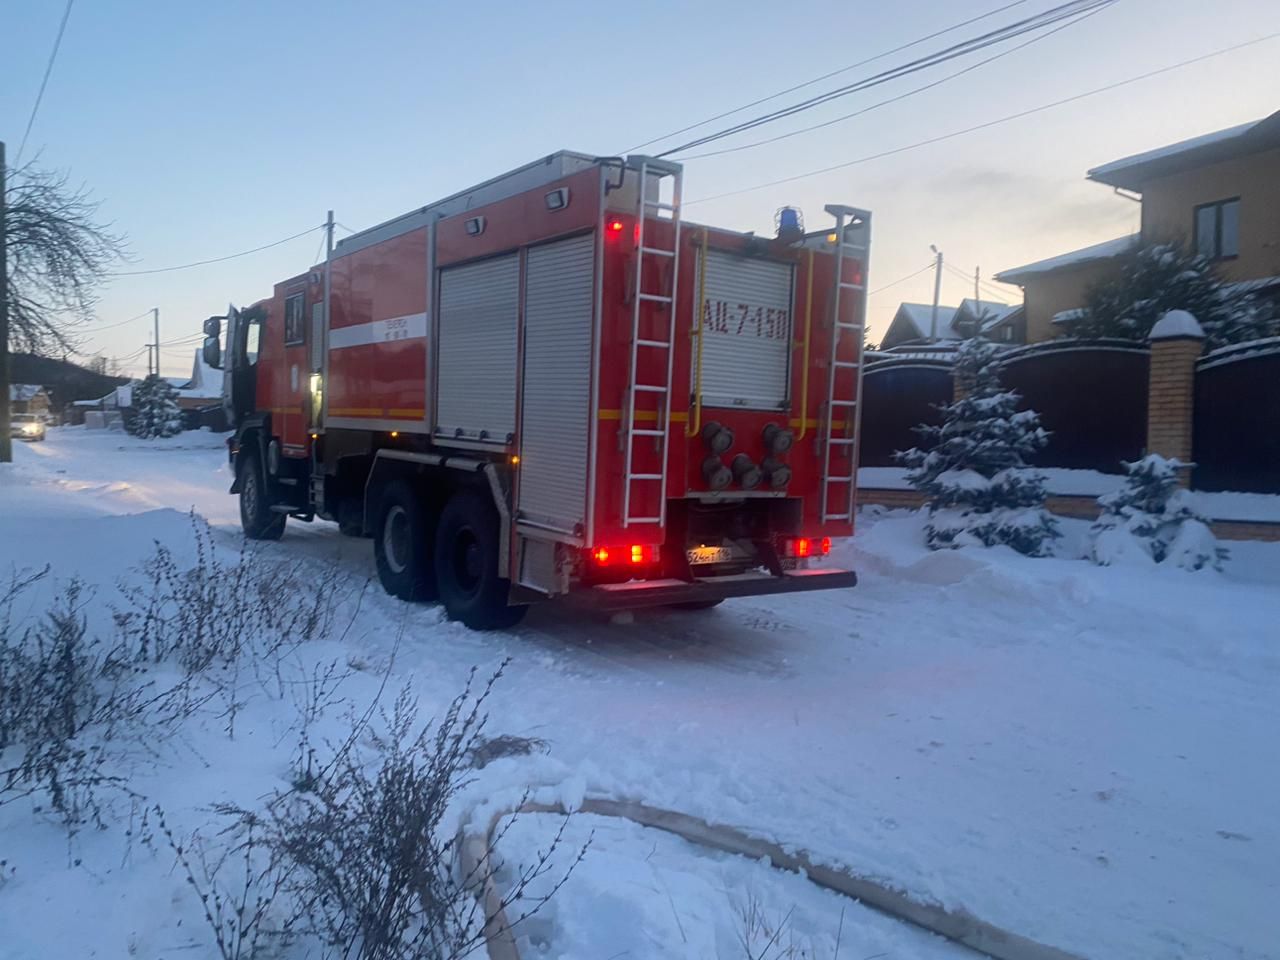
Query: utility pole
{"points": [[6, 442], [155, 316], [977, 273], [937, 292]]}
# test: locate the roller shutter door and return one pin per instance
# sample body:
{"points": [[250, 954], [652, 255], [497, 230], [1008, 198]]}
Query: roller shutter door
{"points": [[746, 331], [559, 299], [479, 310]]}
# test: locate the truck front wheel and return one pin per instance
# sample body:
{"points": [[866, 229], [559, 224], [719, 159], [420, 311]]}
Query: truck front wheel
{"points": [[257, 518], [402, 544], [466, 554]]}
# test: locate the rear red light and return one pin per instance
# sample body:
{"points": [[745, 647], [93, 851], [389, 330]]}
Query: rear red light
{"points": [[615, 226], [637, 554], [804, 547], [644, 554]]}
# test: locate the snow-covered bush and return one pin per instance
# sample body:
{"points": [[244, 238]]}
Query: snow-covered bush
{"points": [[1151, 520], [1164, 277], [155, 409], [368, 863], [974, 473]]}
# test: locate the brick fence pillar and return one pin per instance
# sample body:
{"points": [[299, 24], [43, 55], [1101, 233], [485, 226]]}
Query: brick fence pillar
{"points": [[1176, 342]]}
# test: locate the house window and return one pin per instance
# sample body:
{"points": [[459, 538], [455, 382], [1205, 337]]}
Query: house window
{"points": [[295, 327], [1217, 232]]}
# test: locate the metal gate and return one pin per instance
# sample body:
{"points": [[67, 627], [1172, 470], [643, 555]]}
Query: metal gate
{"points": [[555, 427], [476, 362], [746, 332]]}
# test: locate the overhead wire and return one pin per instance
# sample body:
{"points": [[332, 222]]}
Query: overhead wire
{"points": [[828, 76], [894, 99], [201, 263], [112, 326], [916, 273], [44, 82], [983, 286], [990, 123], [1071, 8]]}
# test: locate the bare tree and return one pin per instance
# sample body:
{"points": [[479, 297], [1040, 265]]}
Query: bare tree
{"points": [[58, 255]]}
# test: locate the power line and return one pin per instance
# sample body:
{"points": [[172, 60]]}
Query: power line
{"points": [[112, 326], [44, 82], [895, 99], [916, 273], [828, 76], [968, 278], [1053, 15], [201, 263], [991, 123]]}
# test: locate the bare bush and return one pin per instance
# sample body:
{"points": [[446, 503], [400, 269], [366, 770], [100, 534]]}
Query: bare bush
{"points": [[54, 685], [366, 863], [763, 936], [203, 616], [236, 889]]}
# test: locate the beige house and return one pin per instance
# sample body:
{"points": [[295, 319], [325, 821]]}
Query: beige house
{"points": [[1218, 194]]}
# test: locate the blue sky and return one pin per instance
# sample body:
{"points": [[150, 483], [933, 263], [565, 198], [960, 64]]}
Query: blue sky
{"points": [[207, 129]]}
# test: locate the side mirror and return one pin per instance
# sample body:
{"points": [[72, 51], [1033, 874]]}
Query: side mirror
{"points": [[213, 327], [212, 350]]}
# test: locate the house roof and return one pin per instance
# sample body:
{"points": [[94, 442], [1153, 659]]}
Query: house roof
{"points": [[920, 316], [23, 392], [205, 382], [1132, 172], [1098, 251]]}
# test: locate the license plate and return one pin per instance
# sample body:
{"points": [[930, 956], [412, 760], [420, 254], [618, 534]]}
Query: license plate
{"points": [[701, 555]]}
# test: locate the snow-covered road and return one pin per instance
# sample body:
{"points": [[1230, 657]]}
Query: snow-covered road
{"points": [[1084, 755]]}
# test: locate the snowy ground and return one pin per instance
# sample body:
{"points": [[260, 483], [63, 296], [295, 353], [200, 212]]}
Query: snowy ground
{"points": [[1084, 755]]}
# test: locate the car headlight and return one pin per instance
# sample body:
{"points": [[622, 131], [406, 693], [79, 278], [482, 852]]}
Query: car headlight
{"points": [[31, 428]]}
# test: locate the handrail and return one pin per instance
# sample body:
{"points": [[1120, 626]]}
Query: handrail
{"points": [[804, 374], [695, 422]]}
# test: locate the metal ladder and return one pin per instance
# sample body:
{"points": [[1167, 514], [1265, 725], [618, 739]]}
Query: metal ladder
{"points": [[837, 489], [660, 433]]}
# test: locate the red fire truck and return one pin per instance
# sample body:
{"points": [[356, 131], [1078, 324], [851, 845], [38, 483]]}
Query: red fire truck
{"points": [[550, 385]]}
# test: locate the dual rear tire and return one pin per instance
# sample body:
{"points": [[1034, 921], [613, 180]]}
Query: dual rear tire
{"points": [[452, 556]]}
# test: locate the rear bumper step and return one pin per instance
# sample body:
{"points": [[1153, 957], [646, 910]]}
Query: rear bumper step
{"points": [[657, 593]]}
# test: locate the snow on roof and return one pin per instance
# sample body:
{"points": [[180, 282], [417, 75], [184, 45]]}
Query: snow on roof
{"points": [[205, 382], [22, 392], [950, 319], [921, 317], [1098, 251], [1066, 316], [1130, 172]]}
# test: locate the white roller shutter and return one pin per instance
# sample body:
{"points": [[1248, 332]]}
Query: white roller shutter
{"points": [[479, 310], [559, 299], [746, 331]]}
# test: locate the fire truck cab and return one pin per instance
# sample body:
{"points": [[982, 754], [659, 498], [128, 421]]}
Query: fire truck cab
{"points": [[552, 386]]}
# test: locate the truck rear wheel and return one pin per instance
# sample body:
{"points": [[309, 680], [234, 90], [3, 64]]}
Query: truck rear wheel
{"points": [[257, 519], [466, 555], [402, 544]]}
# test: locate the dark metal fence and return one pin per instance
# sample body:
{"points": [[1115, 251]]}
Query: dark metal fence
{"points": [[1091, 397], [1236, 438], [896, 396]]}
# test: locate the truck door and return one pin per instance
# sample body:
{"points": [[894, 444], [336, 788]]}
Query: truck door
{"points": [[292, 413]]}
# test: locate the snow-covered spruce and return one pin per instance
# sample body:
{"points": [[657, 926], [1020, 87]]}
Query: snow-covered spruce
{"points": [[975, 474], [155, 409], [1163, 277], [1151, 520]]}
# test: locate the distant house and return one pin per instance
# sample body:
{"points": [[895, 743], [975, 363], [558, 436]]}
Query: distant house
{"points": [[913, 323], [28, 398], [202, 388], [1217, 194]]}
